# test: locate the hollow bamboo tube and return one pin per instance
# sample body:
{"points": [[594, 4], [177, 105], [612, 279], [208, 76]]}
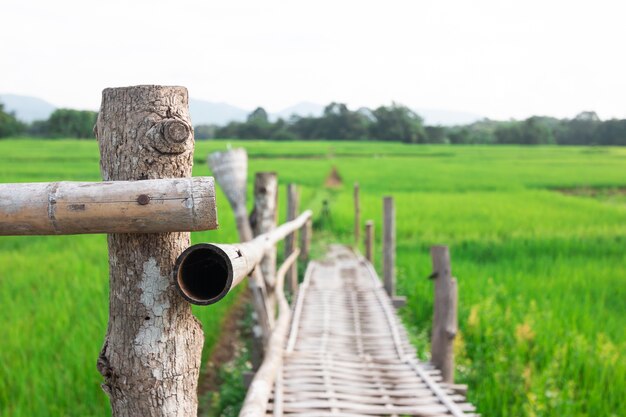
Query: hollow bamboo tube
{"points": [[206, 272]]}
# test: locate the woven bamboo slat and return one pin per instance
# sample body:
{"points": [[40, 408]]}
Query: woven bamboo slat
{"points": [[348, 354]]}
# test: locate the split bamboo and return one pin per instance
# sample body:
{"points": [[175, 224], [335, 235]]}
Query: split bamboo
{"points": [[257, 398], [149, 206]]}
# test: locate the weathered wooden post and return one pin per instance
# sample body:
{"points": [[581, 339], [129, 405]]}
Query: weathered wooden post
{"points": [[305, 240], [389, 246], [151, 355], [369, 241], [292, 239], [445, 313], [263, 220], [357, 215], [230, 169]]}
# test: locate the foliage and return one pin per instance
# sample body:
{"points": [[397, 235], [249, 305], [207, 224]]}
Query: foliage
{"points": [[9, 125], [70, 123]]}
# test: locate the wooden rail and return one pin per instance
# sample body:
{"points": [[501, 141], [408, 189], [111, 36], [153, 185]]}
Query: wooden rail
{"points": [[206, 272], [149, 206]]}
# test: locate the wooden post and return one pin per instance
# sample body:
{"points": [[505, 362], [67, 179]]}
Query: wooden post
{"points": [[305, 240], [357, 215], [263, 220], [150, 206], [230, 169], [292, 239], [369, 241], [445, 313], [150, 360], [389, 246]]}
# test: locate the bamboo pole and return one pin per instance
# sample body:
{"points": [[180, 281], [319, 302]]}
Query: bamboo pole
{"points": [[206, 272], [305, 240], [389, 246], [369, 241], [150, 206], [258, 395], [263, 220], [445, 320], [230, 169], [292, 239], [357, 215], [150, 360]]}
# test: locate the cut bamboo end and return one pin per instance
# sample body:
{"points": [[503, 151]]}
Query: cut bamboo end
{"points": [[204, 273]]}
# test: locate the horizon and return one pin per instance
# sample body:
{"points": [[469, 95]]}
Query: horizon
{"points": [[280, 112], [501, 60]]}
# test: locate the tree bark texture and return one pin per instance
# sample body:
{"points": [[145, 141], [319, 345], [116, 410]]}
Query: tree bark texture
{"points": [[150, 360]]}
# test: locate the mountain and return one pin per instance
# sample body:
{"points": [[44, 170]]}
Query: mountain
{"points": [[301, 109], [433, 117], [210, 113], [26, 108]]}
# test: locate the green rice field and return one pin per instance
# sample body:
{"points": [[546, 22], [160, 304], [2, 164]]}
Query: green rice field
{"points": [[538, 245]]}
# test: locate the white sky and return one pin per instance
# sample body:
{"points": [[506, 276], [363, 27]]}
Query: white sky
{"points": [[497, 58]]}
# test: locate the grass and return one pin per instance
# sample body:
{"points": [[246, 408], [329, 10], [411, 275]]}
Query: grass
{"points": [[541, 272]]}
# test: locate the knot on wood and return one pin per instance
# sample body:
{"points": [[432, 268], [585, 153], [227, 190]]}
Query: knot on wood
{"points": [[171, 136]]}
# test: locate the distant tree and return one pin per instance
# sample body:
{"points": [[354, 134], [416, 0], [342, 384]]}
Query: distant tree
{"points": [[397, 123], [436, 134], [9, 125], [204, 131], [582, 130], [611, 132], [259, 115], [69, 123]]}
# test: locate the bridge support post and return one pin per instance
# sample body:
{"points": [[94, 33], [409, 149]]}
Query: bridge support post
{"points": [[230, 169], [150, 360], [445, 320], [292, 239], [263, 220], [357, 215], [389, 246], [305, 240], [369, 241]]}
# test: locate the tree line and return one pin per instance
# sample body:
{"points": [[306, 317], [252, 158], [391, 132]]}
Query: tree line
{"points": [[398, 123], [62, 123], [394, 123]]}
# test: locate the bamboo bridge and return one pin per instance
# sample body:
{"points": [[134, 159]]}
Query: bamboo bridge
{"points": [[339, 350]]}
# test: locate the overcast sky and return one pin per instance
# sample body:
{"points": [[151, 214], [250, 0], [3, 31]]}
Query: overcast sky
{"points": [[496, 58]]}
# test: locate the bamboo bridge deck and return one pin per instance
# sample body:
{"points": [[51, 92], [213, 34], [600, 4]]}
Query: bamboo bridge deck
{"points": [[348, 355]]}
